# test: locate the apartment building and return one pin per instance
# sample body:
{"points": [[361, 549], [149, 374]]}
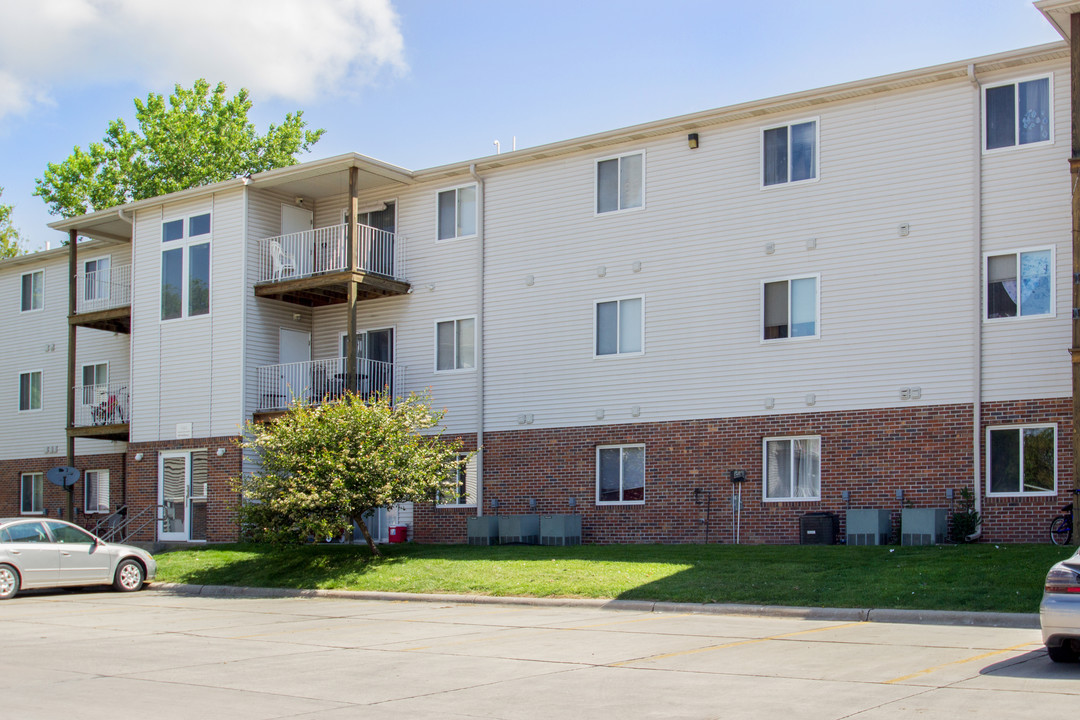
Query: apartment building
{"points": [[703, 327]]}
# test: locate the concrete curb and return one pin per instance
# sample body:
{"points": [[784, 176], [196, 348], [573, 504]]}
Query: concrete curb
{"points": [[883, 615]]}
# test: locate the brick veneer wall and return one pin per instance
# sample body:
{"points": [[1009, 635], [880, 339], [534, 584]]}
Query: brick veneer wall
{"points": [[922, 450], [55, 498]]}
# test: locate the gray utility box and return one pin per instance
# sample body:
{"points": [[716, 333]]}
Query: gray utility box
{"points": [[483, 530], [923, 526], [818, 528], [523, 529], [868, 527], [560, 530]]}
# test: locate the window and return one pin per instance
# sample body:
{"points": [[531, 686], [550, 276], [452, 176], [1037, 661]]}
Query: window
{"points": [[1023, 460], [793, 468], [185, 294], [33, 493], [457, 213], [95, 383], [620, 474], [790, 308], [620, 183], [67, 534], [1020, 284], [464, 483], [620, 327], [96, 279], [789, 153], [455, 342], [33, 291], [30, 390], [97, 491], [27, 532], [1018, 113]]}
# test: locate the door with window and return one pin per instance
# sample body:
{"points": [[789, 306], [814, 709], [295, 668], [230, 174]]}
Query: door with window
{"points": [[182, 495], [375, 357]]}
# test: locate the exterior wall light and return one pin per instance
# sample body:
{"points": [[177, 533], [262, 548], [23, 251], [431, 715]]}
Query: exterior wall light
{"points": [[692, 141]]}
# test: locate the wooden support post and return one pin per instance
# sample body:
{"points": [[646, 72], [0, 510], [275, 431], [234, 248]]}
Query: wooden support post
{"points": [[352, 379], [1074, 166], [73, 295]]}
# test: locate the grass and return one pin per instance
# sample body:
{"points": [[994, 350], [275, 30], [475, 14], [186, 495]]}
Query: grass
{"points": [[986, 577]]}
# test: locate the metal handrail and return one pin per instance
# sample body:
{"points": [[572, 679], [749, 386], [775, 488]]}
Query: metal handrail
{"points": [[323, 250], [117, 524]]}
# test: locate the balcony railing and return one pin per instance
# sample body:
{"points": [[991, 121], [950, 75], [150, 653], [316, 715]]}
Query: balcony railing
{"points": [[318, 381], [312, 252], [103, 289], [105, 404]]}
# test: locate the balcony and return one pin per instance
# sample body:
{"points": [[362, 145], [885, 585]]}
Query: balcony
{"points": [[103, 300], [101, 411], [318, 381], [311, 268]]}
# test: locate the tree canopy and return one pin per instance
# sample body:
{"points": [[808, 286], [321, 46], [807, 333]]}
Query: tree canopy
{"points": [[196, 137], [9, 234], [324, 467]]}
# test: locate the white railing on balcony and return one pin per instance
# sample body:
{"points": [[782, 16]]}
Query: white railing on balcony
{"points": [[322, 250], [105, 404], [103, 289], [318, 381]]}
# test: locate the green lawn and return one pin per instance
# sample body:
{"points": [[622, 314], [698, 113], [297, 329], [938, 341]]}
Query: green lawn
{"points": [[1005, 578]]}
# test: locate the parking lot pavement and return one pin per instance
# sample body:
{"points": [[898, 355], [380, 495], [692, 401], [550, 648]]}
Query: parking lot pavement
{"points": [[103, 655]]}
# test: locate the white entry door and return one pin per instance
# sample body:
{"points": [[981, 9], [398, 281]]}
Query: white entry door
{"points": [[294, 354], [300, 248], [174, 483]]}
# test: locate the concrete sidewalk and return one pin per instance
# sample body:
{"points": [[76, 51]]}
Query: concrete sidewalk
{"points": [[883, 615]]}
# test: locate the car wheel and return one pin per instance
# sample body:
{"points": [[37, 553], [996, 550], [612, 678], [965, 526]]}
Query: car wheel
{"points": [[9, 582], [129, 576], [1062, 653]]}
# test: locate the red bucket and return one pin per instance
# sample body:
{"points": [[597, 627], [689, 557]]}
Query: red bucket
{"points": [[398, 533]]}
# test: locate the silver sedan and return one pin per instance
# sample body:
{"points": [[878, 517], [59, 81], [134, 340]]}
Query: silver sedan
{"points": [[40, 553], [1059, 612]]}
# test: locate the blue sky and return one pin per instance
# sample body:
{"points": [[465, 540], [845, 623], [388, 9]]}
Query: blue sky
{"points": [[419, 83]]}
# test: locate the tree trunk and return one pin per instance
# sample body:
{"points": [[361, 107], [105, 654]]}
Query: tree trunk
{"points": [[367, 536]]}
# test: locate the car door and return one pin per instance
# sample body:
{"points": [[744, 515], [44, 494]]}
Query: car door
{"points": [[27, 546], [82, 560]]}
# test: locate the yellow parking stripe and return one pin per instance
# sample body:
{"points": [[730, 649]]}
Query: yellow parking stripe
{"points": [[929, 670]]}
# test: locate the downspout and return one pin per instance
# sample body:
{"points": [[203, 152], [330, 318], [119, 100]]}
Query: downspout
{"points": [[481, 202], [976, 348]]}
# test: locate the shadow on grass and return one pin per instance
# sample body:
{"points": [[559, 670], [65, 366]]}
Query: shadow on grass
{"points": [[982, 577]]}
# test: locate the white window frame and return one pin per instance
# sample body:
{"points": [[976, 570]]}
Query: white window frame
{"points": [[644, 463], [618, 334], [82, 379], [41, 392], [1020, 428], [476, 345], [765, 468], [817, 310], [31, 274], [471, 462], [185, 243], [817, 153], [457, 223], [1016, 114], [596, 184], [1018, 252], [85, 273], [101, 474], [40, 480]]}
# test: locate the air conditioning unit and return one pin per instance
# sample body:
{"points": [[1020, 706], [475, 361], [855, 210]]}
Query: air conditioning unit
{"points": [[923, 526], [818, 528], [868, 527], [520, 529], [483, 530], [560, 530]]}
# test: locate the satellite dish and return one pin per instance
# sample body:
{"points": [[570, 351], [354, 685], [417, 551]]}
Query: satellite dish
{"points": [[62, 476]]}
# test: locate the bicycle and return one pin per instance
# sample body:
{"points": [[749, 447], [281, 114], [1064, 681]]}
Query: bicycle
{"points": [[1062, 525]]}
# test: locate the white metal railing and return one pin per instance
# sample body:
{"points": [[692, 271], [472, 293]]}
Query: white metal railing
{"points": [[318, 381], [104, 404], [103, 289], [322, 250]]}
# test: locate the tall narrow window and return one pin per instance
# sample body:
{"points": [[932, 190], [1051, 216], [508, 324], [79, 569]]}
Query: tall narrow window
{"points": [[96, 279], [1022, 460], [464, 483], [33, 493], [620, 474], [1020, 284], [792, 468], [455, 342], [789, 153], [185, 267], [620, 183], [457, 213], [1018, 113], [790, 308], [97, 491], [30, 390], [95, 382], [620, 327], [33, 291]]}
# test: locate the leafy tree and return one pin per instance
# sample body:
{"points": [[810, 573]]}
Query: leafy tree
{"points": [[9, 235], [195, 138], [324, 467]]}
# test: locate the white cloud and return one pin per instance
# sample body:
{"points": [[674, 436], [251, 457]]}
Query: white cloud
{"points": [[288, 49]]}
